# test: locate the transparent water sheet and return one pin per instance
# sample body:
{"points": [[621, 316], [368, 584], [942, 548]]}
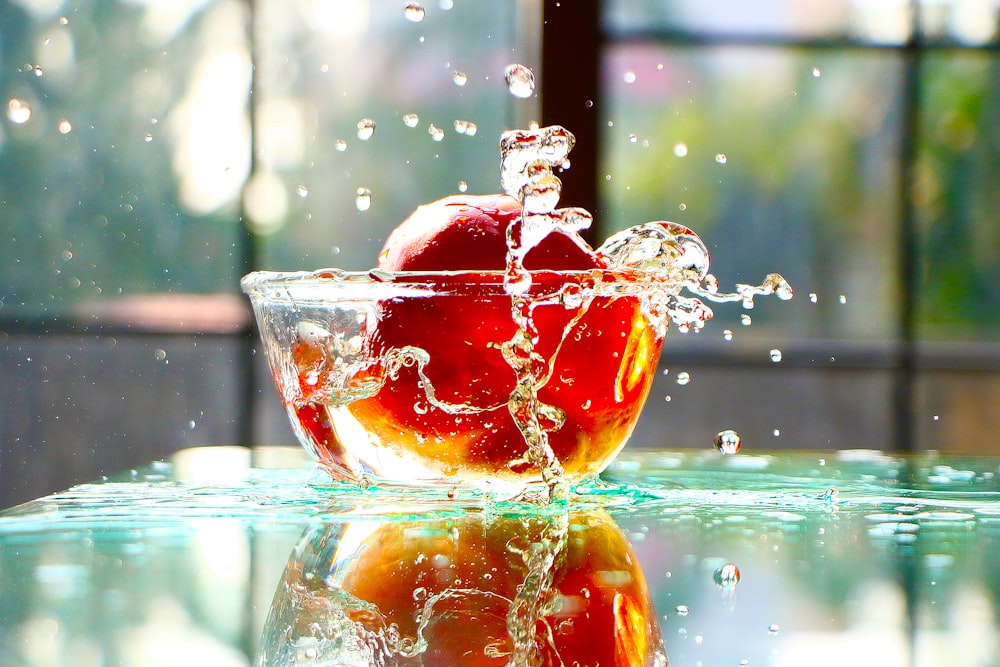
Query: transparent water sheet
{"points": [[838, 556]]}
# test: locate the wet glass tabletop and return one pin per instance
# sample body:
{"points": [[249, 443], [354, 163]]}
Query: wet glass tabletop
{"points": [[227, 556]]}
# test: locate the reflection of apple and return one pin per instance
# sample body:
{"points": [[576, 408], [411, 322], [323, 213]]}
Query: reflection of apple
{"points": [[458, 591]]}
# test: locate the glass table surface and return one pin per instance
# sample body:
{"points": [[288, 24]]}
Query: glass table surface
{"points": [[229, 556]]}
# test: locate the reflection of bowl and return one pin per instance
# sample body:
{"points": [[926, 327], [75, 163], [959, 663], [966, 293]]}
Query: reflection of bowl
{"points": [[522, 588], [404, 377]]}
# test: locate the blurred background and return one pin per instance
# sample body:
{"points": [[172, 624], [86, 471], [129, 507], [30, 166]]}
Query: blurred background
{"points": [[154, 151]]}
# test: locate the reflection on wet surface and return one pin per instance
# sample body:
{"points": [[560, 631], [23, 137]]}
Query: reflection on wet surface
{"points": [[812, 558]]}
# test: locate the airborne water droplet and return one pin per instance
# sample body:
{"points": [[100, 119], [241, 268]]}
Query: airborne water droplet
{"points": [[721, 158], [18, 112], [629, 77], [775, 355], [414, 12], [728, 442], [463, 186], [816, 72], [366, 128], [302, 191], [683, 378], [520, 80], [727, 334], [363, 199], [727, 576], [65, 127], [680, 150], [682, 610], [843, 298], [813, 297], [437, 134], [773, 629], [340, 145], [745, 320], [410, 119], [459, 78]]}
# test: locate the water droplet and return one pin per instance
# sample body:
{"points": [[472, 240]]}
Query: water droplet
{"points": [[776, 432], [437, 134], [414, 12], [668, 398], [843, 298], [191, 425], [463, 186], [363, 199], [63, 20], [148, 138], [775, 355], [159, 354], [459, 78], [813, 297], [816, 72], [37, 69], [419, 594], [633, 138], [773, 629], [420, 408], [629, 77], [680, 150], [721, 158], [340, 145], [520, 80], [410, 119], [683, 378], [682, 610], [727, 334], [18, 112], [727, 576], [366, 128], [65, 127], [589, 104], [682, 206], [466, 127], [745, 320], [302, 191], [728, 442]]}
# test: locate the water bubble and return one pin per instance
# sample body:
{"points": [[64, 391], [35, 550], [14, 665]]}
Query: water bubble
{"points": [[191, 425], [437, 134], [680, 150], [302, 191], [745, 320], [459, 78], [410, 119], [520, 80], [682, 610], [682, 206], [843, 298], [466, 127], [629, 77], [773, 629], [633, 138], [340, 145], [727, 576], [363, 199], [63, 20], [816, 72], [721, 158], [65, 127], [589, 104], [414, 12], [813, 297], [463, 186], [18, 112], [727, 334], [366, 128], [683, 378], [775, 355], [728, 442], [37, 69], [776, 432], [159, 354]]}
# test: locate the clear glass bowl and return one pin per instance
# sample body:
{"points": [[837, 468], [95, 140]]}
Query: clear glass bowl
{"points": [[408, 377]]}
